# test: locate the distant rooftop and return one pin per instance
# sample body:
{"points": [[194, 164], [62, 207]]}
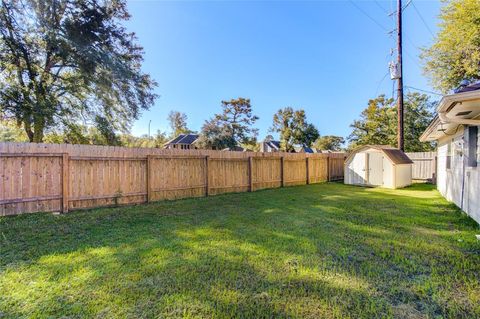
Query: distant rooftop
{"points": [[468, 88], [183, 139]]}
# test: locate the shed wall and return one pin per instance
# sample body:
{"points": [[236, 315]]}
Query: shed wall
{"points": [[403, 175], [355, 170], [388, 171]]}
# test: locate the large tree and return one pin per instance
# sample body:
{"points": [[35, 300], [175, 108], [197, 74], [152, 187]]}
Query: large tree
{"points": [[232, 127], [329, 143], [378, 122], [293, 128], [455, 54], [178, 123], [68, 61]]}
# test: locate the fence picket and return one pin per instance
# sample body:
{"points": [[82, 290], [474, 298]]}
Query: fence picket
{"points": [[62, 177]]}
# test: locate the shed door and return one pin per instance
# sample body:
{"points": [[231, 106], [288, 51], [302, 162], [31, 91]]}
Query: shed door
{"points": [[375, 169]]}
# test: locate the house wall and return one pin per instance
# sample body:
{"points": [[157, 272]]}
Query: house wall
{"points": [[403, 175], [450, 181]]}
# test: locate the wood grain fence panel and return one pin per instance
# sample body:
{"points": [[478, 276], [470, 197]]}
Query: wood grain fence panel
{"points": [[423, 165], [318, 169], [30, 184], [174, 178], [267, 172], [228, 175], [295, 171], [97, 176], [336, 168]]}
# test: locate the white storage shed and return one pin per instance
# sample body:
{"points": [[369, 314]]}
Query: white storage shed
{"points": [[378, 165]]}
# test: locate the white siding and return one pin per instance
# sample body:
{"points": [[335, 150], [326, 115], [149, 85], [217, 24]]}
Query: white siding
{"points": [[356, 173], [388, 180], [403, 175], [355, 170], [450, 181]]}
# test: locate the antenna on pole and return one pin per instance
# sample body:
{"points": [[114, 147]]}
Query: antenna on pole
{"points": [[400, 125]]}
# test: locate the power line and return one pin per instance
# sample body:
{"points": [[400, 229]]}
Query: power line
{"points": [[380, 82], [381, 7], [369, 16], [421, 90], [423, 20]]}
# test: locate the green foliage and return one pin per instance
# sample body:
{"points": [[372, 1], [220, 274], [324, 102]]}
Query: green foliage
{"points": [[455, 55], [329, 143], [156, 141], [230, 128], [65, 62], [293, 128], [10, 132], [317, 251], [378, 122], [178, 123]]}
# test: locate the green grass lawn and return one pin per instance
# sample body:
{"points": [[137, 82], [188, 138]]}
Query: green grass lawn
{"points": [[318, 251]]}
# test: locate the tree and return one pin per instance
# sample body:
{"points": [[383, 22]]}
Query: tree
{"points": [[230, 128], [293, 128], [455, 54], [378, 122], [9, 132], [329, 143], [178, 123], [215, 136], [71, 60]]}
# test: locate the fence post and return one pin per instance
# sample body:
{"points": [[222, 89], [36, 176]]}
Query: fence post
{"points": [[328, 168], [434, 177], [207, 160], [149, 178], [250, 174], [282, 170], [307, 170], [65, 183]]}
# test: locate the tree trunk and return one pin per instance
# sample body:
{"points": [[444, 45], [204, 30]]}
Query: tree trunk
{"points": [[39, 125], [28, 130]]}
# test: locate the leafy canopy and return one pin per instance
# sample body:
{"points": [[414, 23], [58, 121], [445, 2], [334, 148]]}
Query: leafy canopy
{"points": [[293, 128], [378, 122], [178, 123], [455, 54], [68, 61], [329, 143], [232, 127]]}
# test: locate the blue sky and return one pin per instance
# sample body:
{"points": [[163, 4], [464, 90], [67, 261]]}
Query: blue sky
{"points": [[327, 57]]}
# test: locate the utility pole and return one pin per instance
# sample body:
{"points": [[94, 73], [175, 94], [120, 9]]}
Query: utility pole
{"points": [[400, 138], [149, 122]]}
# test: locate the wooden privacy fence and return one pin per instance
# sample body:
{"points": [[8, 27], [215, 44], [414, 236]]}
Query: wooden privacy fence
{"points": [[424, 165], [62, 177]]}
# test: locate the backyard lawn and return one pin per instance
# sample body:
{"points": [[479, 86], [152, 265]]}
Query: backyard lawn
{"points": [[318, 251]]}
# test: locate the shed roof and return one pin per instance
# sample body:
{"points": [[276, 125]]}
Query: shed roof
{"points": [[395, 155]]}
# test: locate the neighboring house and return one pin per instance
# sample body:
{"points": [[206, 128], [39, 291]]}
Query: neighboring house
{"points": [[183, 141], [303, 149], [269, 146], [378, 165], [456, 130]]}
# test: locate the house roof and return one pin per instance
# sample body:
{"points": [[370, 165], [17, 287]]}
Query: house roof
{"points": [[454, 108], [273, 144], [183, 139], [305, 149], [395, 155]]}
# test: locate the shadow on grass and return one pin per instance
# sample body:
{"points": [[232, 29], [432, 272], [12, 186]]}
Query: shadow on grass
{"points": [[325, 250]]}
